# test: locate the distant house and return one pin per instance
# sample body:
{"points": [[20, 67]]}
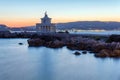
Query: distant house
{"points": [[46, 26], [4, 29]]}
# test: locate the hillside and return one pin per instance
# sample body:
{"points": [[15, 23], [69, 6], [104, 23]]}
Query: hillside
{"points": [[90, 25], [84, 25]]}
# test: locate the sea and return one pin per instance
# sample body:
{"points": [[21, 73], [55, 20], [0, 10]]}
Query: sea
{"points": [[97, 32], [21, 62]]}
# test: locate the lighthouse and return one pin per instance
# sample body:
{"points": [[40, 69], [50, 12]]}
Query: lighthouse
{"points": [[46, 26]]}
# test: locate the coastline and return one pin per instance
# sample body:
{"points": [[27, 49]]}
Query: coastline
{"points": [[101, 45]]}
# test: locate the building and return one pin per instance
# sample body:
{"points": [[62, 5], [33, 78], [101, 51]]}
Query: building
{"points": [[46, 26]]}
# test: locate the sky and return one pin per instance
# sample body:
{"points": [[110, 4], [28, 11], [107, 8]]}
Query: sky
{"points": [[18, 13]]}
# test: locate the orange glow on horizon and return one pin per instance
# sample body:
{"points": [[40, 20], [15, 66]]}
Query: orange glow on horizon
{"points": [[31, 22], [19, 23]]}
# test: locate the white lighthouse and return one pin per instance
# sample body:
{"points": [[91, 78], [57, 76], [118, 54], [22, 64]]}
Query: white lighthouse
{"points": [[46, 26]]}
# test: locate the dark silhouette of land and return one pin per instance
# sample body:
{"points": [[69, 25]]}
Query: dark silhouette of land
{"points": [[84, 25]]}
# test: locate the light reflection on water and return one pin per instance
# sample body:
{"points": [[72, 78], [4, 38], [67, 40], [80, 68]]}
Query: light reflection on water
{"points": [[20, 62], [98, 32]]}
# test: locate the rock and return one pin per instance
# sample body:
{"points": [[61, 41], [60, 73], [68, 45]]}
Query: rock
{"points": [[84, 52], [116, 53], [103, 53], [108, 53], [100, 55], [36, 42], [77, 53], [57, 44], [20, 43], [91, 52], [74, 42], [67, 32], [98, 47], [114, 38], [72, 46]]}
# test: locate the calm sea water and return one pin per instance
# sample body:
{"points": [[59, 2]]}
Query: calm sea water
{"points": [[20, 62]]}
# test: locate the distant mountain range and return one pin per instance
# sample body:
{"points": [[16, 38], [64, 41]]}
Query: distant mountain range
{"points": [[90, 25], [25, 28], [84, 25]]}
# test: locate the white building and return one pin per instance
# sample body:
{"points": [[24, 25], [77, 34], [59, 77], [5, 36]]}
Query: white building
{"points": [[46, 26]]}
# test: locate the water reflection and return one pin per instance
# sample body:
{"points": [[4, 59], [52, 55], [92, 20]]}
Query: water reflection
{"points": [[46, 69], [29, 63]]}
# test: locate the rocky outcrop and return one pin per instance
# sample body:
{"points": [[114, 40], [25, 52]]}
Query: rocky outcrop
{"points": [[20, 43], [48, 41], [108, 53], [114, 38], [100, 48], [36, 42], [54, 44], [84, 52], [77, 53]]}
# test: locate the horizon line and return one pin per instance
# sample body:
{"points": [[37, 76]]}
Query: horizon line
{"points": [[61, 22]]}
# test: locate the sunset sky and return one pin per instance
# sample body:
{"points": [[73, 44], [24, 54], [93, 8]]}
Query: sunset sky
{"points": [[18, 13]]}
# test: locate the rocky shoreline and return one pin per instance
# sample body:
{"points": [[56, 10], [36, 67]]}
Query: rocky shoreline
{"points": [[17, 35], [101, 47]]}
